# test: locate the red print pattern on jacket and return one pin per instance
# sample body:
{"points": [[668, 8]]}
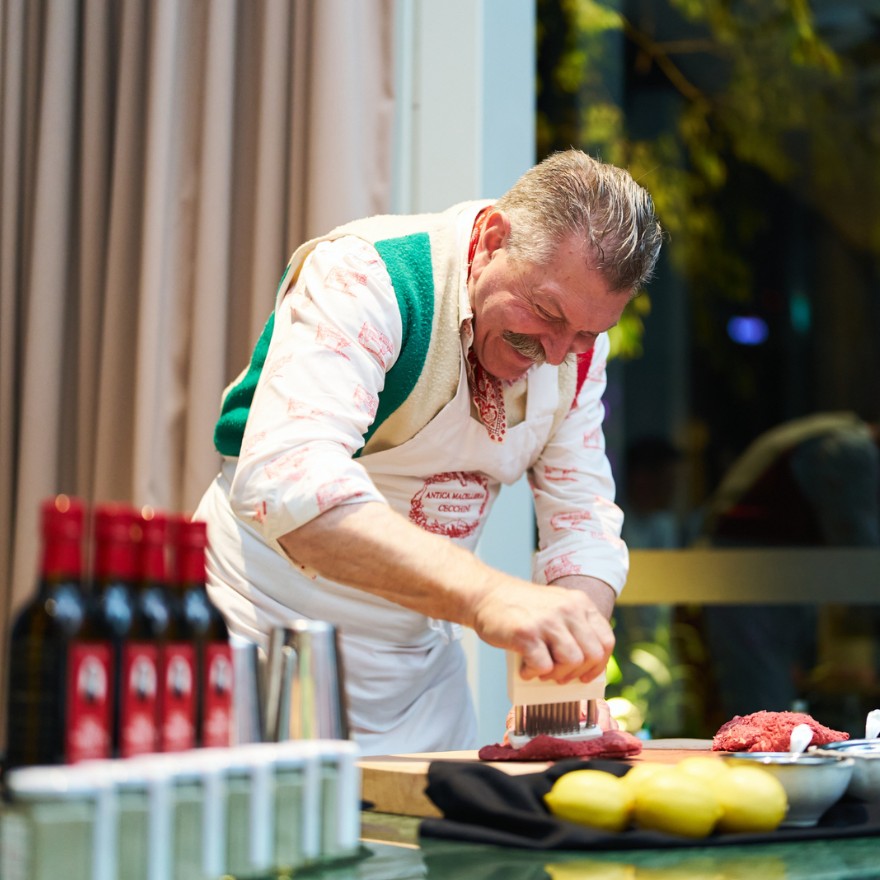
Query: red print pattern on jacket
{"points": [[345, 280], [574, 519], [377, 344], [335, 492], [560, 474], [561, 566], [290, 466], [331, 338], [296, 409], [593, 439], [366, 401], [276, 366], [252, 442]]}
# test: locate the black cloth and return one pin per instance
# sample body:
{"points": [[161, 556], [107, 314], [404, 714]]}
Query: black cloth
{"points": [[482, 804]]}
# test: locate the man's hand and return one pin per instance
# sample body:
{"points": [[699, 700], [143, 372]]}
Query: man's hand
{"points": [[559, 632]]}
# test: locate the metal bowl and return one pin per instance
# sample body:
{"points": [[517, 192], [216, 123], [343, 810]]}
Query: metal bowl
{"points": [[865, 782], [812, 782]]}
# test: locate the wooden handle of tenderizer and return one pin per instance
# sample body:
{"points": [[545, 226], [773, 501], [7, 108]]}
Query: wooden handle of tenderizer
{"points": [[536, 692]]}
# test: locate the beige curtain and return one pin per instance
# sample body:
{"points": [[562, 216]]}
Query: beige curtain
{"points": [[160, 159]]}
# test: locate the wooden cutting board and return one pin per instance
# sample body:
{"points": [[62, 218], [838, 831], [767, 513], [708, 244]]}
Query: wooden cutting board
{"points": [[396, 783]]}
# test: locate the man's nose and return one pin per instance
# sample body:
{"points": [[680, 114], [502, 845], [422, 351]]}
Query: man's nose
{"points": [[558, 345]]}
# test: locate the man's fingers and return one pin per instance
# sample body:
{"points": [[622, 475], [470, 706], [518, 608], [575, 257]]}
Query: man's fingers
{"points": [[559, 633], [581, 652], [536, 660], [541, 662]]}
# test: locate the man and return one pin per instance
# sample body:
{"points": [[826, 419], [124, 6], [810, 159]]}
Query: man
{"points": [[412, 365]]}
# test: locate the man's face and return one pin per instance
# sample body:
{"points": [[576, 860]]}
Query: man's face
{"points": [[525, 314]]}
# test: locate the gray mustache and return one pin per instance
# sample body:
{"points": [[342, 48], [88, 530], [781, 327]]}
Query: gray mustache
{"points": [[525, 345]]}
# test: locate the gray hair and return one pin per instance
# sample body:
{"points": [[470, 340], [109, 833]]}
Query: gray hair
{"points": [[572, 193]]}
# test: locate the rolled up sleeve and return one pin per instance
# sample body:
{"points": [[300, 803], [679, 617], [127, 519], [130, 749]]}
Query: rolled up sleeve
{"points": [[578, 522], [336, 333]]}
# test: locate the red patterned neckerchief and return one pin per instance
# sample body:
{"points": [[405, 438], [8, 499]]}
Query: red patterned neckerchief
{"points": [[487, 392]]}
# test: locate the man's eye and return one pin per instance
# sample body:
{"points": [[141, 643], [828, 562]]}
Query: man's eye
{"points": [[545, 315]]}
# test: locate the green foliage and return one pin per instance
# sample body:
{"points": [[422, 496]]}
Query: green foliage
{"points": [[656, 667], [626, 337], [752, 82]]}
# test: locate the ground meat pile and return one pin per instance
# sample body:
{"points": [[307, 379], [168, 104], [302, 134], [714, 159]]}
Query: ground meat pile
{"points": [[611, 744], [769, 732]]}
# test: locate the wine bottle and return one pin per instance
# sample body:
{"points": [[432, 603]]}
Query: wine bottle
{"points": [[206, 623], [60, 665], [135, 646], [177, 675]]}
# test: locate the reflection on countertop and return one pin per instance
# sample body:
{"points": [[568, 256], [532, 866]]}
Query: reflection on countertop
{"points": [[397, 853]]}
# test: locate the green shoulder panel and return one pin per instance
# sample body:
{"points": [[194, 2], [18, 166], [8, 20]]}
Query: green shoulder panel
{"points": [[229, 430], [408, 261]]}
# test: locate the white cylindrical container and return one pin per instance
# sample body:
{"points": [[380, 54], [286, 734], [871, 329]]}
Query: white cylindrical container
{"points": [[250, 814], [186, 805], [128, 854], [211, 765], [349, 816], [339, 787], [60, 824], [160, 827], [297, 839], [262, 805]]}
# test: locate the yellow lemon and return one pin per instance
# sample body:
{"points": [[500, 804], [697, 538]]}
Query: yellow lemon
{"points": [[703, 767], [677, 803], [591, 797], [751, 799], [638, 772]]}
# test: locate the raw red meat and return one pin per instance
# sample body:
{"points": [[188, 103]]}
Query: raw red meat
{"points": [[769, 732], [611, 744]]}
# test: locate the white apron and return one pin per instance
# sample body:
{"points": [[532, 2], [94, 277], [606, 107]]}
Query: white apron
{"points": [[405, 674]]}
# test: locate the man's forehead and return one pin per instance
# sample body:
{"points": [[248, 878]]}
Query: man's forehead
{"points": [[586, 310]]}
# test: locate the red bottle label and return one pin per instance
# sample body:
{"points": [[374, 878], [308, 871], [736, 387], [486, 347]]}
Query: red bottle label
{"points": [[89, 702], [178, 697], [217, 695], [139, 709]]}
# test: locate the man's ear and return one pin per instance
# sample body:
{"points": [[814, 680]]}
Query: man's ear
{"points": [[496, 231]]}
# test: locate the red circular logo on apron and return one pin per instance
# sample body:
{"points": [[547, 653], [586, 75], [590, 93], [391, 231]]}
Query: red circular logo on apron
{"points": [[451, 504]]}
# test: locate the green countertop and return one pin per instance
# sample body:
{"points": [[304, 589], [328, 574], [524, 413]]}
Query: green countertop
{"points": [[395, 852]]}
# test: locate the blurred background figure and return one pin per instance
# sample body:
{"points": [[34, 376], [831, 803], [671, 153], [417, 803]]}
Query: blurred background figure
{"points": [[651, 520], [809, 482], [813, 481]]}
